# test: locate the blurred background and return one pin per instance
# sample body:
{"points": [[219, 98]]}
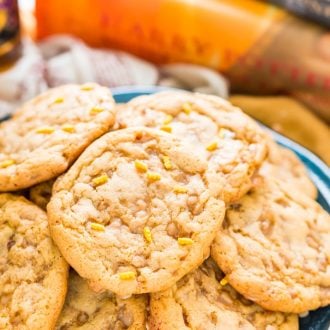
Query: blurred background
{"points": [[270, 58]]}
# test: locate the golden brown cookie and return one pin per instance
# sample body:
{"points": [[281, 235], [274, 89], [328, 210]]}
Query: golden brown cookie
{"points": [[49, 132], [134, 213], [223, 135], [274, 247], [285, 166], [86, 310], [203, 300], [33, 274], [40, 194]]}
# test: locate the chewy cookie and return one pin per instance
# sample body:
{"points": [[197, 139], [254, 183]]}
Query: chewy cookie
{"points": [[230, 141], [274, 247], [40, 194], [285, 166], [203, 300], [85, 309], [133, 214], [49, 132], [33, 274]]}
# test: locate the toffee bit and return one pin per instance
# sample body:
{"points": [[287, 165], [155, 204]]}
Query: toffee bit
{"points": [[6, 163], [180, 189], [167, 162], [185, 241], [68, 128], [140, 166], [45, 130], [153, 176], [100, 180], [97, 226], [86, 88], [58, 100], [186, 108], [212, 146], [168, 119], [96, 110], [127, 276], [166, 128], [147, 234]]}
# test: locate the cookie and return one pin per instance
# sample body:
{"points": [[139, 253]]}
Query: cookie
{"points": [[33, 274], [223, 135], [203, 300], [134, 214], [49, 132], [85, 309], [285, 166], [274, 247], [40, 194]]}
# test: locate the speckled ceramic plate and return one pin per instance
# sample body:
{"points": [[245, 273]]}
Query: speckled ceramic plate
{"points": [[319, 173]]}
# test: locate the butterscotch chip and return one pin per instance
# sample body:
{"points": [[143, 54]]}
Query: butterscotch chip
{"points": [[198, 302], [231, 142], [49, 132], [85, 309], [274, 247], [124, 258], [33, 274], [40, 194]]}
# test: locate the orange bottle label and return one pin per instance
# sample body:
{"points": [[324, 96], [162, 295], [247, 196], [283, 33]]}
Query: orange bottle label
{"points": [[210, 32]]}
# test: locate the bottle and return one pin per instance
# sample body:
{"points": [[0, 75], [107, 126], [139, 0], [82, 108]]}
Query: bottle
{"points": [[10, 42], [261, 48]]}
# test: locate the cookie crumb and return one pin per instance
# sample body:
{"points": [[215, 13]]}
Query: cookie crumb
{"points": [[140, 166], [6, 163], [185, 241], [147, 234], [100, 180], [127, 276], [97, 226], [226, 134]]}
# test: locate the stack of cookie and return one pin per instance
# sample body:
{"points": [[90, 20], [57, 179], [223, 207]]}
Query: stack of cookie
{"points": [[175, 212]]}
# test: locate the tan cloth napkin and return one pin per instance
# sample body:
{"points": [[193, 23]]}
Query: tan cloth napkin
{"points": [[289, 118]]}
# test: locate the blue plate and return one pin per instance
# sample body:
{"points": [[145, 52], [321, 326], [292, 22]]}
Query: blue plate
{"points": [[319, 173]]}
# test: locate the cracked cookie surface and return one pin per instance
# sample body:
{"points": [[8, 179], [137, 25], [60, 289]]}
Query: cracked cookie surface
{"points": [[85, 309], [134, 213], [284, 165], [33, 274], [203, 300], [274, 247], [49, 132], [231, 142]]}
